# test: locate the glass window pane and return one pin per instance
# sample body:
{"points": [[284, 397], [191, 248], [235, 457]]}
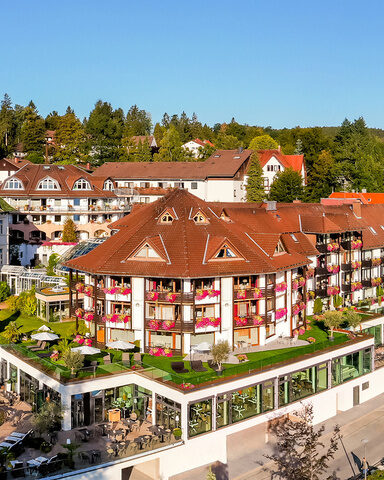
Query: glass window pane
{"points": [[200, 418]]}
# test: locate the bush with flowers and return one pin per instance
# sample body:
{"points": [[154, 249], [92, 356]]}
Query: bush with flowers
{"points": [[88, 290], [299, 331], [356, 244], [281, 287], [257, 293], [187, 386], [160, 352], [83, 341], [376, 262], [375, 282], [54, 355], [208, 322], [79, 287], [79, 312], [333, 247], [356, 286], [356, 264], [242, 357], [311, 340], [281, 313]]}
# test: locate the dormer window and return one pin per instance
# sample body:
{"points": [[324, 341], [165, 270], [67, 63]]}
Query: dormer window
{"points": [[225, 252], [108, 185], [146, 251], [81, 184], [48, 184], [166, 217], [279, 248], [13, 184], [200, 218]]}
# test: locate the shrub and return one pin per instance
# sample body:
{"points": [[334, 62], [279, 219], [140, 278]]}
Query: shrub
{"points": [[11, 332], [5, 292], [12, 303], [47, 419], [352, 318], [318, 306]]}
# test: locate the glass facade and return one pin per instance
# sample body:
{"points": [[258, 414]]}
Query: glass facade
{"points": [[168, 412], [29, 387], [301, 384], [376, 332], [200, 417], [351, 366]]}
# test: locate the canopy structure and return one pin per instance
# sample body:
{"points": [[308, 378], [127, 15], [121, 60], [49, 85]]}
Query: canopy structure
{"points": [[120, 345], [45, 336], [44, 328], [203, 347], [85, 350]]}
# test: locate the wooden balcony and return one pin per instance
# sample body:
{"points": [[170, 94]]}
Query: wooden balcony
{"points": [[166, 297], [366, 263], [321, 271], [321, 292], [366, 283], [186, 327], [245, 322], [176, 352], [346, 288], [346, 244], [346, 267], [322, 247]]}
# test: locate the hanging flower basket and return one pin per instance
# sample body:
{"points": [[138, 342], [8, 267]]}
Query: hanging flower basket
{"points": [[356, 265], [171, 297], [333, 269], [356, 244], [258, 320], [153, 296], [257, 293], [241, 321], [154, 325], [281, 313], [375, 282], [241, 294], [89, 316], [281, 287], [376, 262], [88, 290], [168, 324], [298, 307], [79, 312], [333, 247], [310, 295], [310, 272], [79, 287], [333, 290]]}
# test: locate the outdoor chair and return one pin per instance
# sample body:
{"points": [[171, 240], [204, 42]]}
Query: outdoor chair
{"points": [[178, 367], [125, 357], [41, 347], [37, 345], [213, 365], [137, 358], [107, 359], [197, 366]]}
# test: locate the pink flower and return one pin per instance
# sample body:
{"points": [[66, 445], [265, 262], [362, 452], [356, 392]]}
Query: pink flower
{"points": [[281, 313]]}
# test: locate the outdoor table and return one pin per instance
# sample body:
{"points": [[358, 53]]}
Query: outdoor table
{"points": [[243, 397], [239, 410]]}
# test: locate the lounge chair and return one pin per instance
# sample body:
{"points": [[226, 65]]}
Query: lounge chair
{"points": [[197, 366], [178, 367], [41, 347], [137, 358], [125, 357], [213, 365], [37, 345], [107, 359]]}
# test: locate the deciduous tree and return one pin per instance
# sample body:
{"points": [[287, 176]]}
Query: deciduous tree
{"points": [[263, 142], [69, 231], [287, 186]]}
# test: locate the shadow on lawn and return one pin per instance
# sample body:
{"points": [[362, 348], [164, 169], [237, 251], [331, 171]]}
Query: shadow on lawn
{"points": [[13, 317]]}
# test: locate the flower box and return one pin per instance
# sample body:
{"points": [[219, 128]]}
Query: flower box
{"points": [[241, 294], [152, 296], [356, 244], [168, 324], [376, 262], [160, 352], [202, 293], [333, 290], [333, 247], [241, 321], [281, 313], [208, 322], [281, 287], [258, 320], [257, 293], [375, 282], [356, 286], [333, 269], [154, 325], [356, 265], [171, 297]]}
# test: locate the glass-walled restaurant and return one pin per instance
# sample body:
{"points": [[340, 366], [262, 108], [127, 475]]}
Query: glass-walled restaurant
{"points": [[234, 406]]}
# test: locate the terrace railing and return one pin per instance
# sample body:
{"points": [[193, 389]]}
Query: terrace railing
{"points": [[166, 297]]}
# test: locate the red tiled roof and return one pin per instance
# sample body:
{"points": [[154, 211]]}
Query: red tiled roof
{"points": [[137, 139], [65, 175], [221, 164], [16, 162], [366, 198], [295, 162]]}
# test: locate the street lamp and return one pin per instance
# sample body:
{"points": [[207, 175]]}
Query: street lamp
{"points": [[365, 441]]}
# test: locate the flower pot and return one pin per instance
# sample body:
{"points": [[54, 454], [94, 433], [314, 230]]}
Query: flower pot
{"points": [[331, 339], [219, 372]]}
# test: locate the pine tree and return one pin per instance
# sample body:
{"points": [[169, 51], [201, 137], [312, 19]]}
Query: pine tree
{"points": [[70, 139], [33, 131], [7, 123], [170, 147], [298, 446], [287, 186], [255, 185], [158, 133], [137, 122], [69, 231], [321, 178], [299, 147]]}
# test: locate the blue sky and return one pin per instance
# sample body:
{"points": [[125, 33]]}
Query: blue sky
{"points": [[278, 63]]}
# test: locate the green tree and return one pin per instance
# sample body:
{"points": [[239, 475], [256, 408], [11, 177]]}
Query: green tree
{"points": [[255, 185], [227, 142], [69, 231], [7, 125], [170, 147], [73, 360], [52, 120], [322, 177], [11, 332], [52, 262], [287, 186], [220, 352], [158, 133], [70, 139], [27, 302], [33, 132], [48, 418], [5, 291], [333, 319], [137, 122], [263, 142], [299, 451], [318, 306], [352, 318]]}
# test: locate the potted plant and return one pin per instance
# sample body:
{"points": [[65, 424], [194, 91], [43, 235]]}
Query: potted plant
{"points": [[177, 433]]}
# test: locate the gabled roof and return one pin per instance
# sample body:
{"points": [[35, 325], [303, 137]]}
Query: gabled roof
{"points": [[14, 163], [137, 139], [365, 198], [296, 162]]}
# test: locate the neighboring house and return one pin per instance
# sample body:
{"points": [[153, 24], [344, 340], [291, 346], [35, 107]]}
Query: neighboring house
{"points": [[50, 137], [150, 139], [45, 195], [19, 151], [195, 146], [363, 197], [274, 161], [219, 178], [9, 166], [5, 219]]}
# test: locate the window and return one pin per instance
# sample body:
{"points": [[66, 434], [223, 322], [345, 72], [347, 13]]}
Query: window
{"points": [[81, 184], [351, 366], [279, 247], [194, 185], [294, 238], [200, 417], [76, 218], [266, 182], [76, 202], [269, 168], [14, 184], [48, 184], [57, 218], [147, 252], [108, 185], [372, 230], [200, 218], [179, 184], [166, 218], [1, 227], [225, 252]]}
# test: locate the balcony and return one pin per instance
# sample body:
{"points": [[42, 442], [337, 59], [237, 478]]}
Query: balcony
{"points": [[90, 209], [346, 267], [321, 271], [248, 321], [167, 325], [346, 288], [321, 292], [366, 283], [366, 263], [169, 297], [346, 244], [250, 293], [322, 247]]}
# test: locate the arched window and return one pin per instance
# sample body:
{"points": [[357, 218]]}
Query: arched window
{"points": [[14, 184], [108, 185], [81, 184], [48, 184]]}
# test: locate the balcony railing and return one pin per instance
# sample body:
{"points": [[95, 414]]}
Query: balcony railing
{"points": [[346, 244], [73, 209], [346, 267], [322, 247], [346, 288], [169, 297], [167, 325], [248, 321], [321, 292], [366, 263], [321, 271], [366, 283]]}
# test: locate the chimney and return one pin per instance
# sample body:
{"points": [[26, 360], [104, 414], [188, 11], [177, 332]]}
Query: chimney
{"points": [[356, 208], [271, 206], [279, 148], [88, 166]]}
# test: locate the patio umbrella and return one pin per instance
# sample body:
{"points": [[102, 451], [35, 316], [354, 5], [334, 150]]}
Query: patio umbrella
{"points": [[85, 350], [120, 345], [45, 336], [203, 347], [44, 328]]}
